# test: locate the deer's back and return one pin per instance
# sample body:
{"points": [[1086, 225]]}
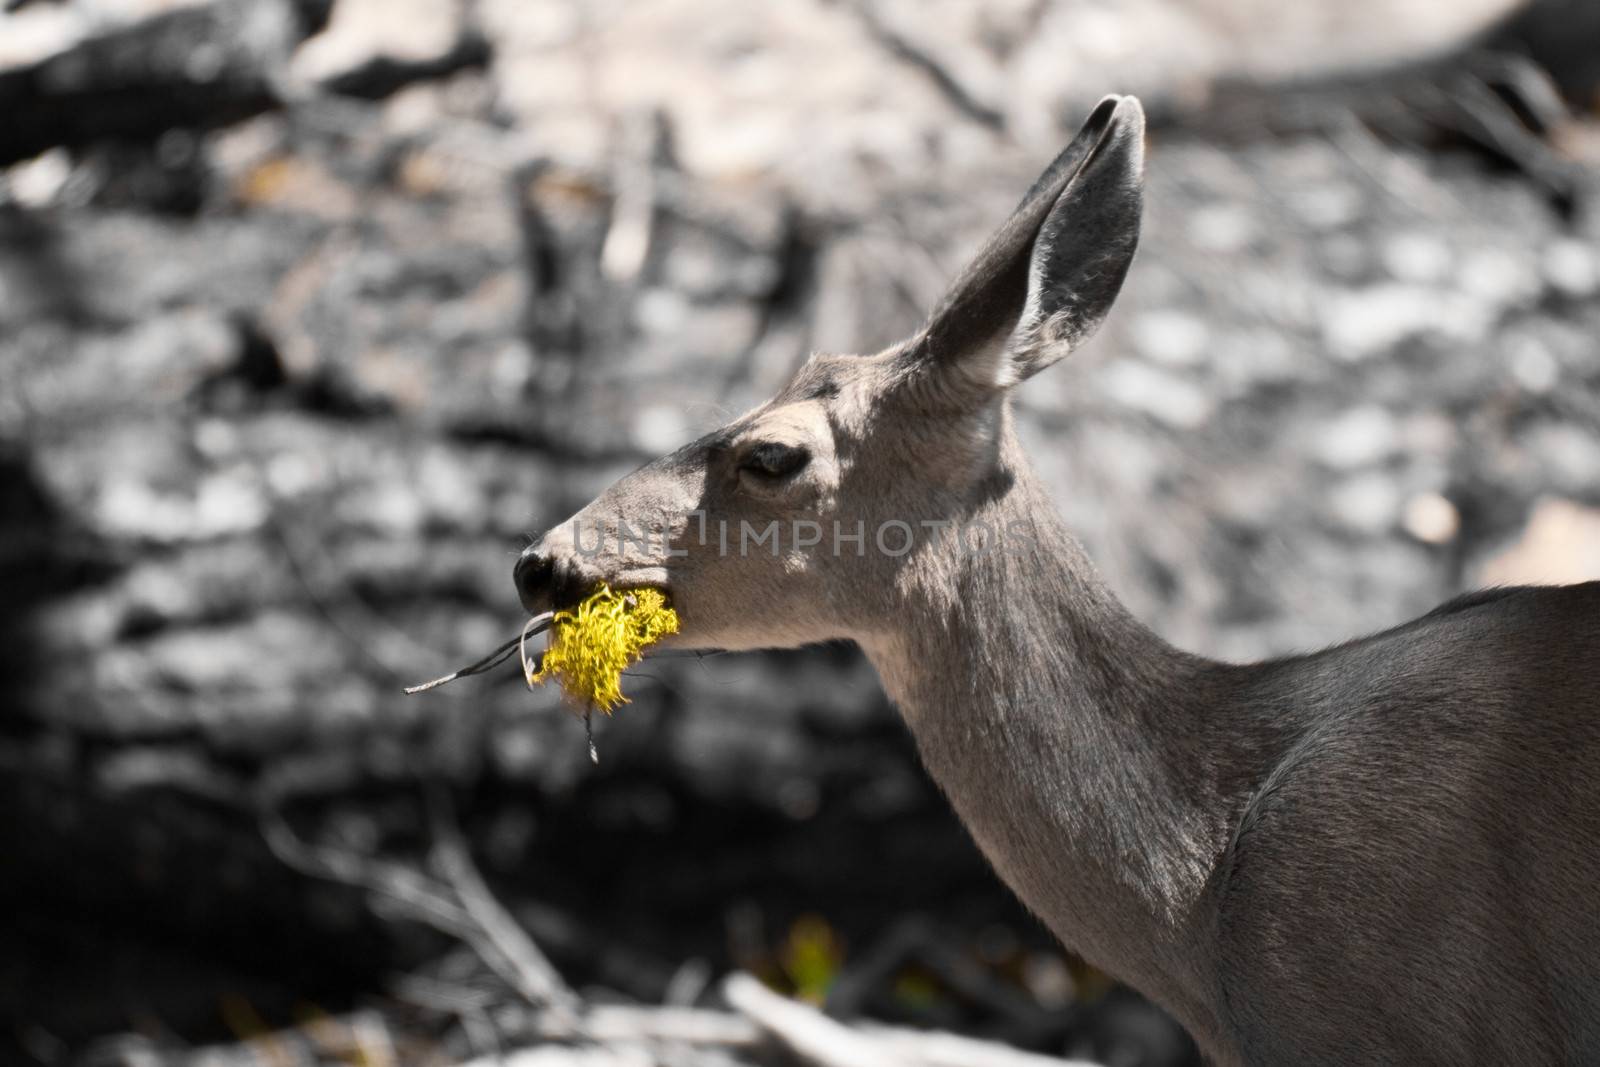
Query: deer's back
{"points": [[1418, 878]]}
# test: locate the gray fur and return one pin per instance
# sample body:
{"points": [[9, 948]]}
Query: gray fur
{"points": [[1383, 853]]}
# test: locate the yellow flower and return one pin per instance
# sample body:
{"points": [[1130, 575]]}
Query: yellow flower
{"points": [[591, 645]]}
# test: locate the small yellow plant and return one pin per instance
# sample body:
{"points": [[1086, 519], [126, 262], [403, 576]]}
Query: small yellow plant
{"points": [[591, 645]]}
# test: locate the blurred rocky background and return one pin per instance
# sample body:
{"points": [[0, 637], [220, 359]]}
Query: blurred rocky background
{"points": [[314, 312]]}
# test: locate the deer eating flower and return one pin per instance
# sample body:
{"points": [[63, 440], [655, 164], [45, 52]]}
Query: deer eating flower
{"points": [[1384, 852], [591, 645]]}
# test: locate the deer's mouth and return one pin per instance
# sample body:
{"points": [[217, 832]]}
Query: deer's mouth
{"points": [[560, 581]]}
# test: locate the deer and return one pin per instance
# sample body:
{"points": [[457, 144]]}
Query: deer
{"points": [[1384, 852]]}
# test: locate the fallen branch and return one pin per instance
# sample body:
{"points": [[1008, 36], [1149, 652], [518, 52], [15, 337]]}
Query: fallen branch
{"points": [[824, 1042], [462, 908], [805, 1031], [608, 1023], [536, 978]]}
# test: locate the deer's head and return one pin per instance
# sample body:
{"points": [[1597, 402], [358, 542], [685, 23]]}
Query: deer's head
{"points": [[796, 522]]}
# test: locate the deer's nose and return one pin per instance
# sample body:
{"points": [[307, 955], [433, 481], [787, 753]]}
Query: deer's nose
{"points": [[533, 576]]}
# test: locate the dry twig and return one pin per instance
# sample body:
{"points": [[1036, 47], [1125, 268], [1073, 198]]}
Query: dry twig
{"points": [[516, 646], [536, 979], [461, 908]]}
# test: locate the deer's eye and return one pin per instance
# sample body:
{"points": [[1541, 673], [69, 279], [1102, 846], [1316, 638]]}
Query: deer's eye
{"points": [[771, 461]]}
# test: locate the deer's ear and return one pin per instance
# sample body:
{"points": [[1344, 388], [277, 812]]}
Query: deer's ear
{"points": [[1046, 279]]}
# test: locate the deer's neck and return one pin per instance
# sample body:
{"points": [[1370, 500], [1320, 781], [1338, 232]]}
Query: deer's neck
{"points": [[1086, 756]]}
